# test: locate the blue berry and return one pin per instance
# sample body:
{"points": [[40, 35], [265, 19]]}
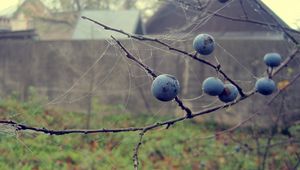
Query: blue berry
{"points": [[265, 86], [229, 93], [204, 44], [272, 59], [213, 86], [165, 87]]}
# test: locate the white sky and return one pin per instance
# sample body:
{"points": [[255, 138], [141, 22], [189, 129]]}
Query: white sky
{"points": [[5, 3], [288, 10]]}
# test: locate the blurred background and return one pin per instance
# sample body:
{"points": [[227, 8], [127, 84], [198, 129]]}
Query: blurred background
{"points": [[63, 72]]}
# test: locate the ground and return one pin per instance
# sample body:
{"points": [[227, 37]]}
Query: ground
{"points": [[180, 147]]}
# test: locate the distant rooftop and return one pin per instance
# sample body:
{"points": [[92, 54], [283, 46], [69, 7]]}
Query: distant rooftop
{"points": [[190, 18], [129, 21]]}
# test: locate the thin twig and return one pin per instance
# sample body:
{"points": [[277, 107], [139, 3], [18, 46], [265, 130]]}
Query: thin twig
{"points": [[271, 136], [151, 73], [243, 8], [280, 26], [285, 62], [256, 22], [136, 151], [246, 20]]}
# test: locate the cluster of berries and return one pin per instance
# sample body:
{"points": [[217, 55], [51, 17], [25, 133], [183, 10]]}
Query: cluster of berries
{"points": [[166, 87]]}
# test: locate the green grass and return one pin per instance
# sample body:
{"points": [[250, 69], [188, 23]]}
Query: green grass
{"points": [[179, 147]]}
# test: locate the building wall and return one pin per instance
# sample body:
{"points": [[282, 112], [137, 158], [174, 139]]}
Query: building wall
{"points": [[62, 76], [4, 23], [21, 22], [26, 13]]}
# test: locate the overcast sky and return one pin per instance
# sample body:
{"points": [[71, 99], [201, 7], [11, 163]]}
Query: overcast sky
{"points": [[288, 10]]}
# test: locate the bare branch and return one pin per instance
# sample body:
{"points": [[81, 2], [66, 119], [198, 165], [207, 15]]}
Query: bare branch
{"points": [[22, 127], [168, 123], [143, 38]]}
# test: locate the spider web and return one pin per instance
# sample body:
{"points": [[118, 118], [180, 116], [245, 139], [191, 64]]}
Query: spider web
{"points": [[139, 49]]}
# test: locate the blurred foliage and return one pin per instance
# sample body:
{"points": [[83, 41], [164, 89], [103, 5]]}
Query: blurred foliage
{"points": [[179, 147]]}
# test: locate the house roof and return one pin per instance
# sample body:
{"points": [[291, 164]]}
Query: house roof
{"points": [[129, 21], [18, 35], [69, 25], [59, 26], [188, 20]]}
